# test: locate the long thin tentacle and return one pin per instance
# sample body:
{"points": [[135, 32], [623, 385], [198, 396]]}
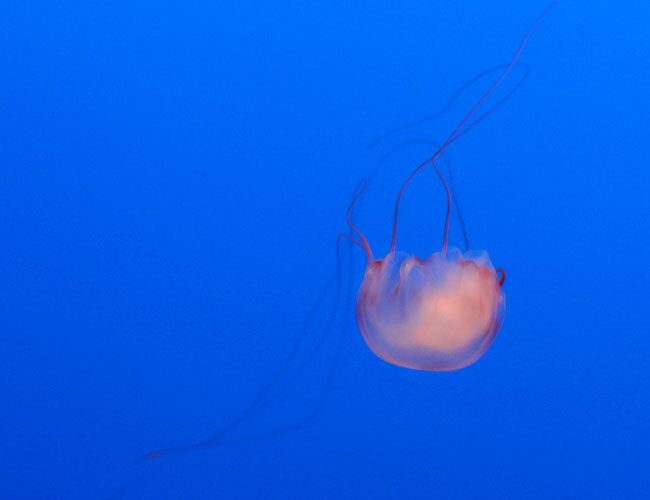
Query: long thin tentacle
{"points": [[459, 128]]}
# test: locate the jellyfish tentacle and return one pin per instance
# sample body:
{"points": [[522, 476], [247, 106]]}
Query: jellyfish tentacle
{"points": [[399, 197], [445, 158], [457, 136], [351, 238], [454, 197], [445, 240], [501, 278], [259, 402], [452, 99], [332, 369], [267, 395], [321, 339], [361, 188], [498, 104], [458, 131], [502, 77]]}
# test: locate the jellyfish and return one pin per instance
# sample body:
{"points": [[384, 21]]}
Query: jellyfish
{"points": [[441, 313]]}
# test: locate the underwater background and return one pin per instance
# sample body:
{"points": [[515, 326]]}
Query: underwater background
{"points": [[173, 179]]}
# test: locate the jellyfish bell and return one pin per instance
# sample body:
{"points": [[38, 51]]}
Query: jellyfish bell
{"points": [[440, 314]]}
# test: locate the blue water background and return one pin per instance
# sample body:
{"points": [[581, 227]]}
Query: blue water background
{"points": [[173, 177]]}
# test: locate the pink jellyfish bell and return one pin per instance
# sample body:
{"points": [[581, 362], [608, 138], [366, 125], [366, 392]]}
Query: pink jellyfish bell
{"points": [[442, 313]]}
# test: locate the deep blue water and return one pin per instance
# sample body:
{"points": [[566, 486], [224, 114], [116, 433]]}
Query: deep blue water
{"points": [[173, 178]]}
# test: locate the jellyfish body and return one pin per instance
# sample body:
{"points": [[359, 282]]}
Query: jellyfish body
{"points": [[443, 313], [440, 314]]}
